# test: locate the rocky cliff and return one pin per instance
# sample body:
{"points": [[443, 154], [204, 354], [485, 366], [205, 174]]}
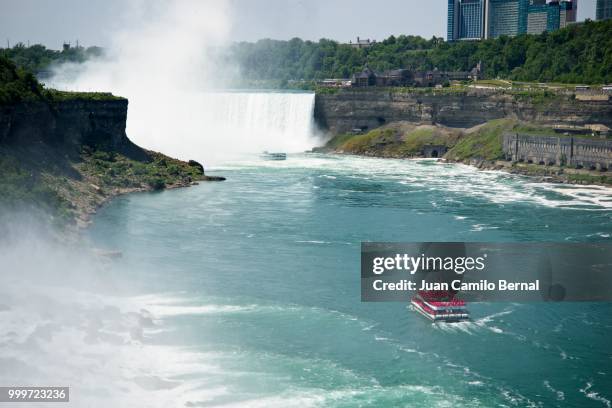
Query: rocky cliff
{"points": [[366, 109], [64, 158], [69, 124]]}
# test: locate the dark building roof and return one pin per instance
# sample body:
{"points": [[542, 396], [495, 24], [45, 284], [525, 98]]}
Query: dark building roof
{"points": [[366, 73]]}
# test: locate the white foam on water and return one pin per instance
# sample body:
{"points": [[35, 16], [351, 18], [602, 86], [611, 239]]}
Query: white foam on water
{"points": [[466, 327], [315, 397], [490, 318], [169, 311], [99, 350], [595, 396], [560, 394], [160, 306], [64, 322], [482, 227], [493, 186], [472, 327], [595, 195]]}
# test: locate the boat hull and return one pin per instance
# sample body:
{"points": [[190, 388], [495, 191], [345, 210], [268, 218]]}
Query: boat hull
{"points": [[440, 316], [274, 156]]}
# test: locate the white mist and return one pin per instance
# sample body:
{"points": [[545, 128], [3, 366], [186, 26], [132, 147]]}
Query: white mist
{"points": [[163, 62]]}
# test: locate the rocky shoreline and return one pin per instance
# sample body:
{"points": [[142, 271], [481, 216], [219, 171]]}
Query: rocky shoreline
{"points": [[65, 193], [63, 159], [544, 174], [95, 193], [540, 173], [480, 146]]}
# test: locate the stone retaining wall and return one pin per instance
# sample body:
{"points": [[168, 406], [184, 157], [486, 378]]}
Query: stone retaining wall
{"points": [[561, 151]]}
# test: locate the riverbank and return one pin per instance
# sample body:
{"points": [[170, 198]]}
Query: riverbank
{"points": [[479, 146], [64, 154], [64, 190], [548, 174]]}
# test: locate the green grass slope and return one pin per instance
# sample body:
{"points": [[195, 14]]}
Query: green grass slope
{"points": [[399, 140]]}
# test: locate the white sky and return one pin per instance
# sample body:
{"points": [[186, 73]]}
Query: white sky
{"points": [[51, 22]]}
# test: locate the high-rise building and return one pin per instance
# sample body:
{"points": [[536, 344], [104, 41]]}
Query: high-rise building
{"points": [[603, 9], [572, 13], [477, 19], [506, 17], [465, 19], [542, 16], [566, 15], [471, 19], [537, 17], [552, 22], [451, 24]]}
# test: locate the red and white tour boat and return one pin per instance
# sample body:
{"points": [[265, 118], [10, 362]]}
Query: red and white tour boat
{"points": [[440, 306]]}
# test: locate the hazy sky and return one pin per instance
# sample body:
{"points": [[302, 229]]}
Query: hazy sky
{"points": [[91, 22]]}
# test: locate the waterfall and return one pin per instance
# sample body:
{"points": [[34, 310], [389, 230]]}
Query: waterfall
{"points": [[164, 59], [280, 120], [214, 127]]}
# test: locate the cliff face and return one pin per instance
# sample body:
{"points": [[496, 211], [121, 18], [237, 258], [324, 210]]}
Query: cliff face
{"points": [[63, 159], [370, 108], [67, 124]]}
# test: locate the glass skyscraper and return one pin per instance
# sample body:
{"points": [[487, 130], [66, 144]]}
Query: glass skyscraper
{"points": [[603, 10], [506, 17], [549, 17], [565, 14], [477, 19], [465, 20], [568, 12], [552, 23], [537, 17], [471, 19], [451, 32]]}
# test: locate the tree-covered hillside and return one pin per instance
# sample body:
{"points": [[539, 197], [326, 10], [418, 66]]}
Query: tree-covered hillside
{"points": [[579, 53], [17, 84], [37, 58]]}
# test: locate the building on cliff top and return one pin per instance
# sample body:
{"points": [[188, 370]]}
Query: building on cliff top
{"points": [[360, 43], [367, 77], [406, 77]]}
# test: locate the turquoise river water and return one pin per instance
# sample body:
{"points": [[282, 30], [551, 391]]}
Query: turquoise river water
{"points": [[246, 293], [252, 288]]}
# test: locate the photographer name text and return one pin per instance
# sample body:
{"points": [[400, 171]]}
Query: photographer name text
{"points": [[457, 285]]}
